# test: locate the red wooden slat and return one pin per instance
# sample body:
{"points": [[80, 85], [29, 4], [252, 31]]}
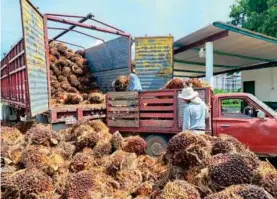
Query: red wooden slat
{"points": [[157, 123], [122, 103], [79, 113], [123, 115], [122, 95], [175, 110], [54, 116], [24, 81], [130, 109], [165, 93], [157, 101], [156, 115], [123, 123], [65, 109], [156, 108], [16, 86]]}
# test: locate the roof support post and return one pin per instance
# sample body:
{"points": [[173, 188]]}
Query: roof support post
{"points": [[210, 63]]}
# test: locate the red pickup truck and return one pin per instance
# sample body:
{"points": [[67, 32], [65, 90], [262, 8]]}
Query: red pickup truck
{"points": [[157, 115]]}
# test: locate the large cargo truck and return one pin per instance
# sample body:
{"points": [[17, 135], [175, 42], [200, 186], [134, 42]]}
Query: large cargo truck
{"points": [[154, 114], [25, 73]]}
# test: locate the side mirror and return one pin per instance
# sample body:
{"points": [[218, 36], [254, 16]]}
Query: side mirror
{"points": [[261, 115]]}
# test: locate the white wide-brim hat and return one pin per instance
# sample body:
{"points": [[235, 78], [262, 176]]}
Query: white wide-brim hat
{"points": [[188, 94]]}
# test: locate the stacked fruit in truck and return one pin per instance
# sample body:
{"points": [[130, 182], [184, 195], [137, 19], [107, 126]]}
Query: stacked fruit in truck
{"points": [[71, 80]]}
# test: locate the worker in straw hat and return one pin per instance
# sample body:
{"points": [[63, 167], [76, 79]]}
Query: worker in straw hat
{"points": [[195, 111]]}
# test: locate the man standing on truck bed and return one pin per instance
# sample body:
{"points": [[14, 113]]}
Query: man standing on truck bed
{"points": [[195, 111]]}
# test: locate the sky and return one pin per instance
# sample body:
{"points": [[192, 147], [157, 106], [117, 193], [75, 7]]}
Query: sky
{"points": [[137, 17]]}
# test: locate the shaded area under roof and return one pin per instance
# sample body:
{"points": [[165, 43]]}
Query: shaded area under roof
{"points": [[235, 49]]}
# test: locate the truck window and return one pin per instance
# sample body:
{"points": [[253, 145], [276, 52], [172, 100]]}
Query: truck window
{"points": [[238, 108]]}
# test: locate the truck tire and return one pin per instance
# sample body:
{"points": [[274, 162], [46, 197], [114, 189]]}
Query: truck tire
{"points": [[5, 112], [156, 144]]}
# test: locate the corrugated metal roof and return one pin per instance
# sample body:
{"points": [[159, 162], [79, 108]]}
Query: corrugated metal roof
{"points": [[234, 49]]}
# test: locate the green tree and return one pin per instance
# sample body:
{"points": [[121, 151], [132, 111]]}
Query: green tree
{"points": [[256, 15]]}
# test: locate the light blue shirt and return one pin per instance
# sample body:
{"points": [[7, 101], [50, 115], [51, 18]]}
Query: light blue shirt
{"points": [[194, 116], [134, 83]]}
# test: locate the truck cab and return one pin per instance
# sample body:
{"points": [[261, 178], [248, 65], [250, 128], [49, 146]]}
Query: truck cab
{"points": [[250, 121]]}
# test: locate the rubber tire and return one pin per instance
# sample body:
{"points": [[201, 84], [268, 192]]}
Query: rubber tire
{"points": [[5, 112], [151, 139]]}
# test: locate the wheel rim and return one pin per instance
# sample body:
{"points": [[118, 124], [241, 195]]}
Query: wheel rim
{"points": [[157, 148]]}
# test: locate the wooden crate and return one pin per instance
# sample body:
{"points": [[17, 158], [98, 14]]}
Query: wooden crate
{"points": [[70, 115], [158, 109], [122, 109]]}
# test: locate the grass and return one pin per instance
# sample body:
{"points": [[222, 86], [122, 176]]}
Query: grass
{"points": [[231, 105]]}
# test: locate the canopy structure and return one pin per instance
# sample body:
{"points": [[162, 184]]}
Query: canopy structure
{"points": [[234, 49]]}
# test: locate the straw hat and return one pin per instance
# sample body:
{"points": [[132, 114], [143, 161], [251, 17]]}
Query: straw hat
{"points": [[188, 94]]}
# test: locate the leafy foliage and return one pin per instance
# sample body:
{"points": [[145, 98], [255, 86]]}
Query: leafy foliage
{"points": [[255, 15], [228, 102]]}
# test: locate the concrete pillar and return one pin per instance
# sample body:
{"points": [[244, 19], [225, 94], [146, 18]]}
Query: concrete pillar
{"points": [[210, 63]]}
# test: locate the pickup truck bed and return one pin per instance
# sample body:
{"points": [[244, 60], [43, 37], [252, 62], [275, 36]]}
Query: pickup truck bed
{"points": [[149, 112]]}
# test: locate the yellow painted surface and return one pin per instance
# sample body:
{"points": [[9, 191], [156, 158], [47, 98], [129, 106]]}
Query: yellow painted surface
{"points": [[34, 37], [35, 50], [154, 53]]}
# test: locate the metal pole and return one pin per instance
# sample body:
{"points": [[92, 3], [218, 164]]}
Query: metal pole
{"points": [[62, 15], [71, 27], [71, 44], [91, 27], [54, 28], [106, 24], [209, 63]]}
